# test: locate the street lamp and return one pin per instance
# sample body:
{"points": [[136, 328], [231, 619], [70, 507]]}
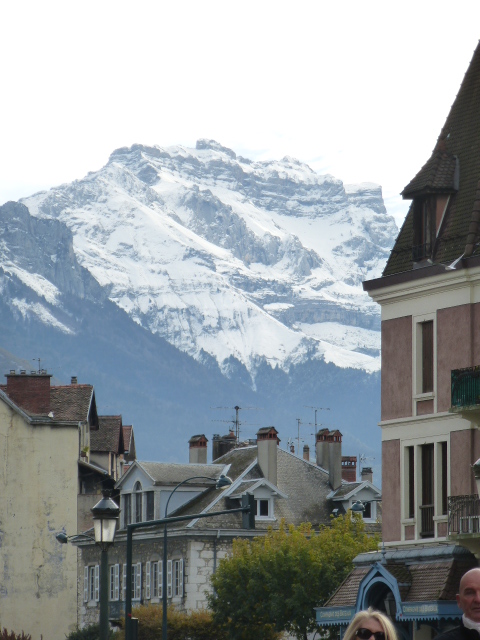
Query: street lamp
{"points": [[358, 507], [105, 516], [221, 483]]}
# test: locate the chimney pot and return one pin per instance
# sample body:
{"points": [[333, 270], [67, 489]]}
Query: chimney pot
{"points": [[73, 380]]}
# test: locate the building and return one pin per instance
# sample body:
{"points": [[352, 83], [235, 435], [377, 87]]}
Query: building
{"points": [[57, 452], [43, 430], [283, 484], [430, 405]]}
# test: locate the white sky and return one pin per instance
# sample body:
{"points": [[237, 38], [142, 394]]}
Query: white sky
{"points": [[358, 89]]}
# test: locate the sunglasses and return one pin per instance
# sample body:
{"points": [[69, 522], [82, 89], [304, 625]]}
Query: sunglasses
{"points": [[366, 634]]}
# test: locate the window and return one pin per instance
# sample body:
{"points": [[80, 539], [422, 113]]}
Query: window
{"points": [[262, 508], [156, 578], [175, 578], [427, 356], [138, 502], [424, 227], [127, 509], [410, 477], [114, 592], [91, 583], [427, 506], [443, 478], [150, 500], [136, 581], [367, 513]]}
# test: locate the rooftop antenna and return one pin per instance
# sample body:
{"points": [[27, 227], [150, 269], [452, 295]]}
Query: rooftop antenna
{"points": [[236, 420], [317, 409], [39, 363], [362, 458]]}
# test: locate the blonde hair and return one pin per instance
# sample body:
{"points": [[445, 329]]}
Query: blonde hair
{"points": [[361, 616]]}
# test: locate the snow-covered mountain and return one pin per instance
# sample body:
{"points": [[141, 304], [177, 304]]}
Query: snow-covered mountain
{"points": [[237, 262]]}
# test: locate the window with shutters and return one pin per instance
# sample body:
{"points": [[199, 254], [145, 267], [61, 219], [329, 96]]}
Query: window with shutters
{"points": [[114, 590], [427, 356], [156, 579], [424, 369], [175, 578], [91, 586]]}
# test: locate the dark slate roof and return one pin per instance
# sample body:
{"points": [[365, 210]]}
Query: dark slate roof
{"points": [[72, 402], [345, 489], [129, 443], [109, 436], [459, 139]]}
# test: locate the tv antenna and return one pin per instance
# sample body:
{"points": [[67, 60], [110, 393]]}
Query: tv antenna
{"points": [[236, 421], [316, 409], [39, 363]]}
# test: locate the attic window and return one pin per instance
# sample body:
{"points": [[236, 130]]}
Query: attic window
{"points": [[424, 227], [264, 508]]}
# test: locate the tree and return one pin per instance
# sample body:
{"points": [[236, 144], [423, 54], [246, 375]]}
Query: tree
{"points": [[273, 583]]}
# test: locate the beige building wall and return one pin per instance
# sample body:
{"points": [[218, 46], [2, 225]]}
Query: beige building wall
{"points": [[38, 497]]}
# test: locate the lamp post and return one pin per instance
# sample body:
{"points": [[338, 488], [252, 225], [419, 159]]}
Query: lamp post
{"points": [[222, 482], [358, 507], [105, 517]]}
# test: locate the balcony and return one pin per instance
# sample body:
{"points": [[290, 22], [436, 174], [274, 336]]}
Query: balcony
{"points": [[464, 521], [465, 385]]}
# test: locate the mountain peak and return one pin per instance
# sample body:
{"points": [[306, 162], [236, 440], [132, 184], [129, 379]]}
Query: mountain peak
{"points": [[213, 145]]}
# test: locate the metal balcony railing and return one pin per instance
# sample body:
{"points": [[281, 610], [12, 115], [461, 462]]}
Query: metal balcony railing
{"points": [[427, 525], [466, 387], [463, 515]]}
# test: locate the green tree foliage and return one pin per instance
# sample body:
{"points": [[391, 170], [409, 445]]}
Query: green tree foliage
{"points": [[273, 583]]}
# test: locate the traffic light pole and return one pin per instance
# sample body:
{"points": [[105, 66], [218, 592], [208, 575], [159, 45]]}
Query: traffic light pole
{"points": [[248, 522]]}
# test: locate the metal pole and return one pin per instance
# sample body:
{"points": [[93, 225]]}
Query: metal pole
{"points": [[164, 582], [128, 585], [104, 594]]}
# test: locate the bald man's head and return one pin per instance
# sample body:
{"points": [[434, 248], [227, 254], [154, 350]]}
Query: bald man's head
{"points": [[468, 597]]}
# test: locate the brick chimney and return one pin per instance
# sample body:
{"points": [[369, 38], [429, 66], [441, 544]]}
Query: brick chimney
{"points": [[197, 449], [306, 452], [367, 474], [30, 391], [267, 445], [349, 468], [321, 450]]}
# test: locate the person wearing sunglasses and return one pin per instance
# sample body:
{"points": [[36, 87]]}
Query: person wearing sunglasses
{"points": [[370, 625]]}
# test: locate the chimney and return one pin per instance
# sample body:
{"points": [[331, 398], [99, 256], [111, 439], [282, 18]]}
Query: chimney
{"points": [[321, 450], [30, 392], [292, 448], [73, 380], [222, 445], [367, 474], [334, 443], [267, 445], [349, 468], [306, 452], [197, 449]]}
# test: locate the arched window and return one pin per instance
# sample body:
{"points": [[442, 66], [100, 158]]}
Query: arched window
{"points": [[137, 489]]}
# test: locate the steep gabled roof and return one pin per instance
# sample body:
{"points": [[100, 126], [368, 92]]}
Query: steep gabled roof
{"points": [[453, 168], [74, 402], [109, 436]]}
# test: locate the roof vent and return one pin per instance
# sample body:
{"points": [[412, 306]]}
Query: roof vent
{"points": [[12, 372], [23, 372], [73, 380]]}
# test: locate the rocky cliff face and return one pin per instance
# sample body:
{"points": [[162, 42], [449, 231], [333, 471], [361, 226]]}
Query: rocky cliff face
{"points": [[224, 256]]}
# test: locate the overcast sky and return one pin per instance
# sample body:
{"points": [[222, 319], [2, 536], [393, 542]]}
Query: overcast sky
{"points": [[357, 89]]}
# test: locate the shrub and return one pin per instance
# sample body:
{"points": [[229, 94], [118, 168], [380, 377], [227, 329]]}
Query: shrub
{"points": [[11, 635], [87, 633]]}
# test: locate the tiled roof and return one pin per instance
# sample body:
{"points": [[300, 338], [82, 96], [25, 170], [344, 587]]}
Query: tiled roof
{"points": [[459, 138], [346, 594], [109, 436], [344, 490], [72, 402]]}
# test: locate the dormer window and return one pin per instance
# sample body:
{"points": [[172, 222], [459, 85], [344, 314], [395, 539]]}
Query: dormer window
{"points": [[424, 227]]}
